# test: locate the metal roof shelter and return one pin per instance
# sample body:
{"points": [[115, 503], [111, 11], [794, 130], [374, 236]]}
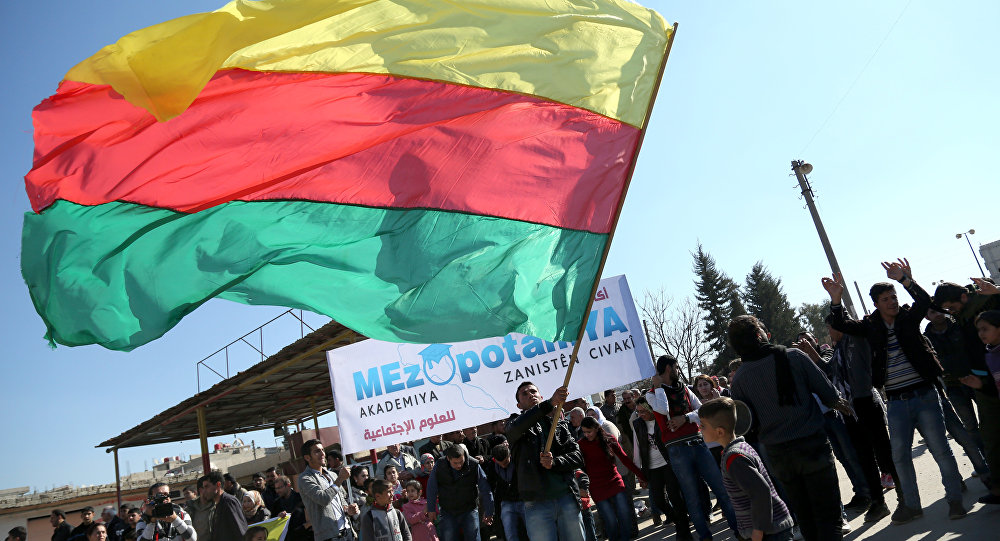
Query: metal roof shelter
{"points": [[289, 386]]}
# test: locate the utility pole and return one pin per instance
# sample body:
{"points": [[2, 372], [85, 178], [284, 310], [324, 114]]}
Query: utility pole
{"points": [[801, 169]]}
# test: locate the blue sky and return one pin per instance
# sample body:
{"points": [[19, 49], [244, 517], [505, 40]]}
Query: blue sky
{"points": [[901, 166]]}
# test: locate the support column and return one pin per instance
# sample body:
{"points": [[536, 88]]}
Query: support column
{"points": [[118, 483], [312, 402], [206, 465]]}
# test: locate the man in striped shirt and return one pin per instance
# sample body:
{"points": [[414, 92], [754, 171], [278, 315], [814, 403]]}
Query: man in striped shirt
{"points": [[906, 366]]}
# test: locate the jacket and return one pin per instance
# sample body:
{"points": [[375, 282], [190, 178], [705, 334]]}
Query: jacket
{"points": [[324, 502], [641, 444], [229, 521], [384, 525], [410, 464], [977, 304], [949, 345], [458, 491], [504, 490], [915, 346], [180, 529], [526, 435]]}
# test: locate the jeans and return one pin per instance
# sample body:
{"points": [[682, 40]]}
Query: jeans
{"points": [[615, 513], [953, 424], [691, 464], [843, 449], [921, 409], [589, 527], [554, 520], [512, 516], [459, 526], [808, 472], [961, 397]]}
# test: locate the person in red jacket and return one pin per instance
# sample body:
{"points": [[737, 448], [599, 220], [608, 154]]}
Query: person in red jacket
{"points": [[607, 488]]}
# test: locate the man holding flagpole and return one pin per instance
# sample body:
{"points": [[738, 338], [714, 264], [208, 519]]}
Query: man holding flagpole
{"points": [[545, 479]]}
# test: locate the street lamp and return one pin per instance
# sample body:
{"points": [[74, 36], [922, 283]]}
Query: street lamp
{"points": [[971, 249], [801, 169]]}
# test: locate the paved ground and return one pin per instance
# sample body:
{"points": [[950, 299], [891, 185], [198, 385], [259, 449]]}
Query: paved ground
{"points": [[982, 523]]}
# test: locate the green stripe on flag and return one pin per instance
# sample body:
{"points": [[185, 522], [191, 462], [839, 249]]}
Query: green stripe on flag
{"points": [[122, 274]]}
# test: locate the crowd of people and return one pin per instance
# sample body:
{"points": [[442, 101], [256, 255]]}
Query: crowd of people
{"points": [[758, 446]]}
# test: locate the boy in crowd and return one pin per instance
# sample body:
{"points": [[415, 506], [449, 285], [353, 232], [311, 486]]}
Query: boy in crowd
{"points": [[383, 522], [760, 513]]}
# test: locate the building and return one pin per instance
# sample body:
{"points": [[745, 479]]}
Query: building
{"points": [[991, 255], [19, 507]]}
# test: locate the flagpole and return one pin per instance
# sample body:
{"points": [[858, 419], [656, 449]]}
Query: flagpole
{"points": [[611, 235]]}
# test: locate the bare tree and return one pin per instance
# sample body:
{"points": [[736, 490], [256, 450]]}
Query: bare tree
{"points": [[656, 309], [677, 330]]}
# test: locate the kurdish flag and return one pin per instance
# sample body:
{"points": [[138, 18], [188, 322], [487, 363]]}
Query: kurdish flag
{"points": [[418, 170]]}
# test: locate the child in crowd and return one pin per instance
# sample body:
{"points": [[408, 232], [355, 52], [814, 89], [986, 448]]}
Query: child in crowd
{"points": [[988, 326], [760, 513], [383, 522], [255, 533], [392, 477], [415, 512]]}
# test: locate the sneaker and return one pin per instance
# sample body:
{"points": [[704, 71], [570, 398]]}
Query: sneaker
{"points": [[845, 527], [796, 533], [876, 512], [956, 510], [904, 514], [887, 482], [858, 504]]}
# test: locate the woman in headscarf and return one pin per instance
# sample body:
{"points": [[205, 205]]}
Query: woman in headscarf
{"points": [[253, 507], [607, 425]]}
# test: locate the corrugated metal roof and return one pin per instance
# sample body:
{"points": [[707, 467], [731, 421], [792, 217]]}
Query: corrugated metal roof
{"points": [[276, 390]]}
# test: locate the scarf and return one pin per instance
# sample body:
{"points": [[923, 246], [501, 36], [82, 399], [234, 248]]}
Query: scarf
{"points": [[782, 371]]}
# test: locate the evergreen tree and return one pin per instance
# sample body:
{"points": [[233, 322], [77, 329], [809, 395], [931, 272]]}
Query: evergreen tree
{"points": [[718, 296], [812, 317], [764, 299]]}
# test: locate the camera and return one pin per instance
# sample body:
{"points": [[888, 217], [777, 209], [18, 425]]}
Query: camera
{"points": [[161, 507]]}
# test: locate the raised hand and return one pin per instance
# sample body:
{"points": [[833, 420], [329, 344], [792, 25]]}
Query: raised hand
{"points": [[898, 270], [986, 288], [835, 287]]}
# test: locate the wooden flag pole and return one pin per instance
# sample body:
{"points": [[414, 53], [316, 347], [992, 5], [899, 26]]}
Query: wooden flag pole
{"points": [[611, 235]]}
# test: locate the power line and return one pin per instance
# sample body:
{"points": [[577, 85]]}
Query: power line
{"points": [[858, 77]]}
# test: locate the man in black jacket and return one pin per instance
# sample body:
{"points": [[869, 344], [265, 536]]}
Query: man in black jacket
{"points": [[545, 480], [503, 482], [229, 521], [456, 485], [905, 364]]}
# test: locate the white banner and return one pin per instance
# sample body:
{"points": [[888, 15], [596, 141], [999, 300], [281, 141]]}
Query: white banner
{"points": [[389, 392]]}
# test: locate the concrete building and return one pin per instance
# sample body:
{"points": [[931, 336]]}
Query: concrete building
{"points": [[991, 256], [20, 507]]}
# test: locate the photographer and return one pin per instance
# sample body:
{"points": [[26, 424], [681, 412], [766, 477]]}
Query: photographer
{"points": [[164, 520]]}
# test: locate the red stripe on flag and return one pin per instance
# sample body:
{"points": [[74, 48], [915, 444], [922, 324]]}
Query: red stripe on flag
{"points": [[361, 139]]}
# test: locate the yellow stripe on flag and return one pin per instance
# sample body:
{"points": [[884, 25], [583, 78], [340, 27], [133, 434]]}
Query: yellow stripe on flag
{"points": [[601, 55]]}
